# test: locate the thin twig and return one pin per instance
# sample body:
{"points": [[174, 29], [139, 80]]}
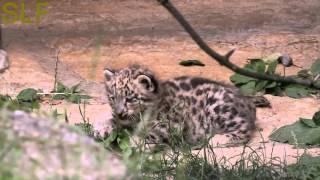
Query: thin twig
{"points": [[83, 112], [6, 150], [224, 60], [56, 71], [306, 41], [64, 93], [1, 40]]}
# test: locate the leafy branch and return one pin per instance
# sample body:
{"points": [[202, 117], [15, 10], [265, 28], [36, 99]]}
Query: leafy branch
{"points": [[225, 59], [267, 65]]}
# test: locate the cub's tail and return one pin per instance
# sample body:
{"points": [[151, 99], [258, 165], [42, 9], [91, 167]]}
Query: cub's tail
{"points": [[260, 101]]}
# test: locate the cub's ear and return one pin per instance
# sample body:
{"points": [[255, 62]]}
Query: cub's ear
{"points": [[148, 83], [108, 73]]}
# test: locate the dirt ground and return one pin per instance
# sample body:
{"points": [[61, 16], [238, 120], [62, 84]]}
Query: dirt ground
{"points": [[93, 34]]}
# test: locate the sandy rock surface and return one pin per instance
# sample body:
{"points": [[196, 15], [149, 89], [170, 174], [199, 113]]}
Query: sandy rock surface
{"points": [[92, 35]]}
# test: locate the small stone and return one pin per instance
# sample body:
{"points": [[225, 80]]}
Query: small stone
{"points": [[285, 60], [4, 60]]}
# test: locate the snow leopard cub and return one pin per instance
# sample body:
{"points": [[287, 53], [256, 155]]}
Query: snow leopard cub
{"points": [[196, 107]]}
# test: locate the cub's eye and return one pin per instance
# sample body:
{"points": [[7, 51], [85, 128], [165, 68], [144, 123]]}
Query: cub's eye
{"points": [[132, 99], [111, 97]]}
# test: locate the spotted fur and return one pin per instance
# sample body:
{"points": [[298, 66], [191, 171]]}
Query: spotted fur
{"points": [[196, 107]]}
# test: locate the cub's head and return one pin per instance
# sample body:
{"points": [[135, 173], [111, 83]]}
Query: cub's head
{"points": [[130, 91]]}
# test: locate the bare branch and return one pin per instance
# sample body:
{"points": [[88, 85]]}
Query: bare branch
{"points": [[224, 60], [56, 71], [229, 54], [1, 40]]}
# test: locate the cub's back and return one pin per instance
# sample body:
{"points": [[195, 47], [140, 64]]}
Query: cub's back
{"points": [[209, 107]]}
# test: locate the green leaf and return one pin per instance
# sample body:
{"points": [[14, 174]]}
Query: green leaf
{"points": [[127, 152], [308, 122], [70, 94], [124, 143], [297, 134], [271, 85], [277, 91], [256, 65], [250, 66], [271, 58], [261, 85], [87, 128], [316, 118], [272, 67], [28, 105], [75, 88], [304, 73], [59, 97], [60, 88], [74, 98], [192, 62], [317, 83], [260, 67], [306, 168], [249, 88], [85, 96], [111, 138], [238, 79], [28, 95], [55, 114], [5, 98], [297, 91], [309, 160], [315, 68]]}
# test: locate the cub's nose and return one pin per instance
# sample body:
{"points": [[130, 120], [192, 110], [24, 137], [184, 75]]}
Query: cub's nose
{"points": [[120, 115]]}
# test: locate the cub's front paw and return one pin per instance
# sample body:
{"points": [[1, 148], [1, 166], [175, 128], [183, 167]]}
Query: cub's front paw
{"points": [[101, 130]]}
